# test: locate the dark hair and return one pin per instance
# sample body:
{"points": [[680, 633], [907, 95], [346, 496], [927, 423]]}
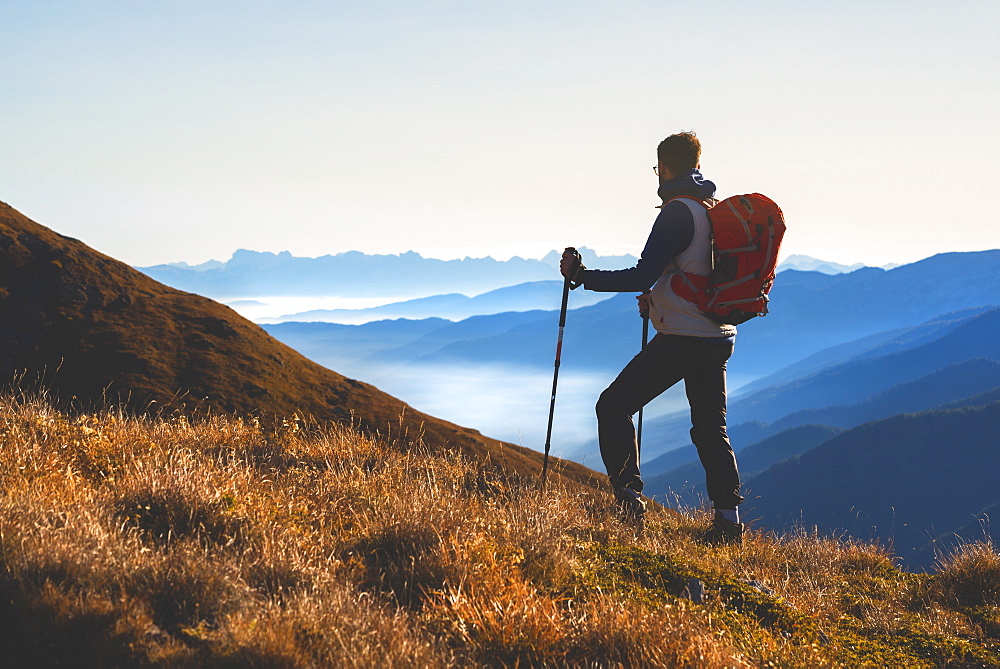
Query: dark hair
{"points": [[680, 152]]}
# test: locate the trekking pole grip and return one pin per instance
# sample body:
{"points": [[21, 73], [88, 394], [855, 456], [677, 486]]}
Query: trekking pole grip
{"points": [[577, 266]]}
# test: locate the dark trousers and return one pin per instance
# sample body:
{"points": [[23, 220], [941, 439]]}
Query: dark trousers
{"points": [[701, 363]]}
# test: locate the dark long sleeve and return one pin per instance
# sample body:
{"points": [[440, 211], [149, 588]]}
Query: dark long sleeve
{"points": [[672, 233]]}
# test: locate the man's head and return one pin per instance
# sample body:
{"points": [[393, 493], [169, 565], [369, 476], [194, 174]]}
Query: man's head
{"points": [[678, 154]]}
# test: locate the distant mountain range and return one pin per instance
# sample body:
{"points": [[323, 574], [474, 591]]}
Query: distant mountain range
{"points": [[810, 312], [529, 296], [808, 264], [354, 274], [408, 276], [815, 320], [91, 331]]}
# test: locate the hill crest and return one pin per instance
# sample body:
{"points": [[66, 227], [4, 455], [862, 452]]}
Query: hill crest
{"points": [[95, 330]]}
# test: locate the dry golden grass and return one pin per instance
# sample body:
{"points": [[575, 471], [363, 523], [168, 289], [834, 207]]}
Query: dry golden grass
{"points": [[172, 542]]}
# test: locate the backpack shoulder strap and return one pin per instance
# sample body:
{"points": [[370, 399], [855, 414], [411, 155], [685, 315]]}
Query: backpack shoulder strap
{"points": [[685, 197], [689, 198]]}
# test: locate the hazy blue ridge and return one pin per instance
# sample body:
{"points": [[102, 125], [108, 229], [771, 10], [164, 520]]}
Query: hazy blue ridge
{"points": [[982, 399], [870, 346], [809, 264], [955, 383], [952, 383], [686, 483], [331, 343], [590, 340], [794, 441], [854, 380], [512, 338], [905, 479], [398, 342], [471, 333], [531, 296], [807, 317], [972, 382]]}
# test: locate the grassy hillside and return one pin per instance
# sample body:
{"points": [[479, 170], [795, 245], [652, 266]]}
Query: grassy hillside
{"points": [[93, 329], [217, 542]]}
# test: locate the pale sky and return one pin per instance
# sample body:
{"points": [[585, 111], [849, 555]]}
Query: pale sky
{"points": [[161, 131]]}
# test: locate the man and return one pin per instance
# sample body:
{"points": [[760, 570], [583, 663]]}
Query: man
{"points": [[688, 345]]}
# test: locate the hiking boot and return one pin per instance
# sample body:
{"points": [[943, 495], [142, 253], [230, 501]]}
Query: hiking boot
{"points": [[630, 507], [723, 531]]}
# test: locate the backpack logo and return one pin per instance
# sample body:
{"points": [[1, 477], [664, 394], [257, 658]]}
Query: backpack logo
{"points": [[746, 233]]}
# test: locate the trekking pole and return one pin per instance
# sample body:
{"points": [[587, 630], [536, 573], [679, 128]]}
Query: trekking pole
{"points": [[555, 374], [638, 430]]}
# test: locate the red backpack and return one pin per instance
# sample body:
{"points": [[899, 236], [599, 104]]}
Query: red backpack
{"points": [[746, 234]]}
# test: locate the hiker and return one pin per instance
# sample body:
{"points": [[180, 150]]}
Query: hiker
{"points": [[688, 345]]}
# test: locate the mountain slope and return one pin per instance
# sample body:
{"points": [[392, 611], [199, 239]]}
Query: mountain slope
{"points": [[907, 479], [94, 329], [863, 377], [952, 383], [870, 346], [687, 482], [811, 311]]}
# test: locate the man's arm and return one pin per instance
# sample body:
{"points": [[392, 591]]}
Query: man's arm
{"points": [[672, 233]]}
